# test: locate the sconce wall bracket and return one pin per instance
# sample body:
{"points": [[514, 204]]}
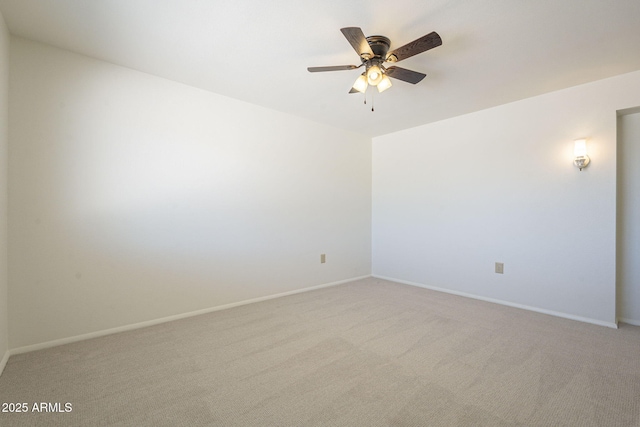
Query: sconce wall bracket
{"points": [[581, 162]]}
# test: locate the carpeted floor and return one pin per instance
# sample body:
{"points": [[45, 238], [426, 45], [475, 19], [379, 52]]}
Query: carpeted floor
{"points": [[366, 353]]}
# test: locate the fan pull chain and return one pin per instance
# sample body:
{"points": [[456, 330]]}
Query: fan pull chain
{"points": [[372, 97]]}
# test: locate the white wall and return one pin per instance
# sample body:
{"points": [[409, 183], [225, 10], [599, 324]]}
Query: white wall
{"points": [[629, 218], [4, 147], [453, 197], [134, 198]]}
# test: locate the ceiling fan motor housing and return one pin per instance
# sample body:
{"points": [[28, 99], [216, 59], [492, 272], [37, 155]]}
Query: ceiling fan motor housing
{"points": [[379, 45]]}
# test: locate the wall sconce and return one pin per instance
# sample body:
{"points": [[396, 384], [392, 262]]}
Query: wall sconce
{"points": [[581, 159]]}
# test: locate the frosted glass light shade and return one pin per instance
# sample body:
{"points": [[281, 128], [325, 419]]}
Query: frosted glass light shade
{"points": [[374, 75], [384, 84], [361, 84], [580, 148]]}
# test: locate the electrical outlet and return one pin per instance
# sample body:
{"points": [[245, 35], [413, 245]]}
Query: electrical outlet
{"points": [[323, 258], [500, 267]]}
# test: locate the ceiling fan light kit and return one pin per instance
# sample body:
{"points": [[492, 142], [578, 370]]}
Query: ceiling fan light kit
{"points": [[373, 54]]}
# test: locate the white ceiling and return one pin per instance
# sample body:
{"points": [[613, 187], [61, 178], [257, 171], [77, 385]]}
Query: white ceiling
{"points": [[493, 52]]}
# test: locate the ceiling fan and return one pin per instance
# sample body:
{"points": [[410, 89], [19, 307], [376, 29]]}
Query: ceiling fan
{"points": [[373, 53]]}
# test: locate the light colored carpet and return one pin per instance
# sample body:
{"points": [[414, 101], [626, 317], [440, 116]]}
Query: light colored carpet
{"points": [[366, 353]]}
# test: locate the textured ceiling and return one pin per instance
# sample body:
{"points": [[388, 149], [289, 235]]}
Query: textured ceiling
{"points": [[493, 52]]}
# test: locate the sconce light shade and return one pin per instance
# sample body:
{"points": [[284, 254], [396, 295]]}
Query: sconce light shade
{"points": [[580, 148], [581, 160]]}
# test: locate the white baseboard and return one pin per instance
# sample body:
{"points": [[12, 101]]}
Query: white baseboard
{"points": [[629, 321], [4, 360], [68, 340], [507, 303]]}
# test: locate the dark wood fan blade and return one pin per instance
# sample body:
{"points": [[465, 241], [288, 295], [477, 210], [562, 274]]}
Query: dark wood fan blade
{"points": [[353, 91], [356, 38], [332, 68], [420, 45], [403, 74]]}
